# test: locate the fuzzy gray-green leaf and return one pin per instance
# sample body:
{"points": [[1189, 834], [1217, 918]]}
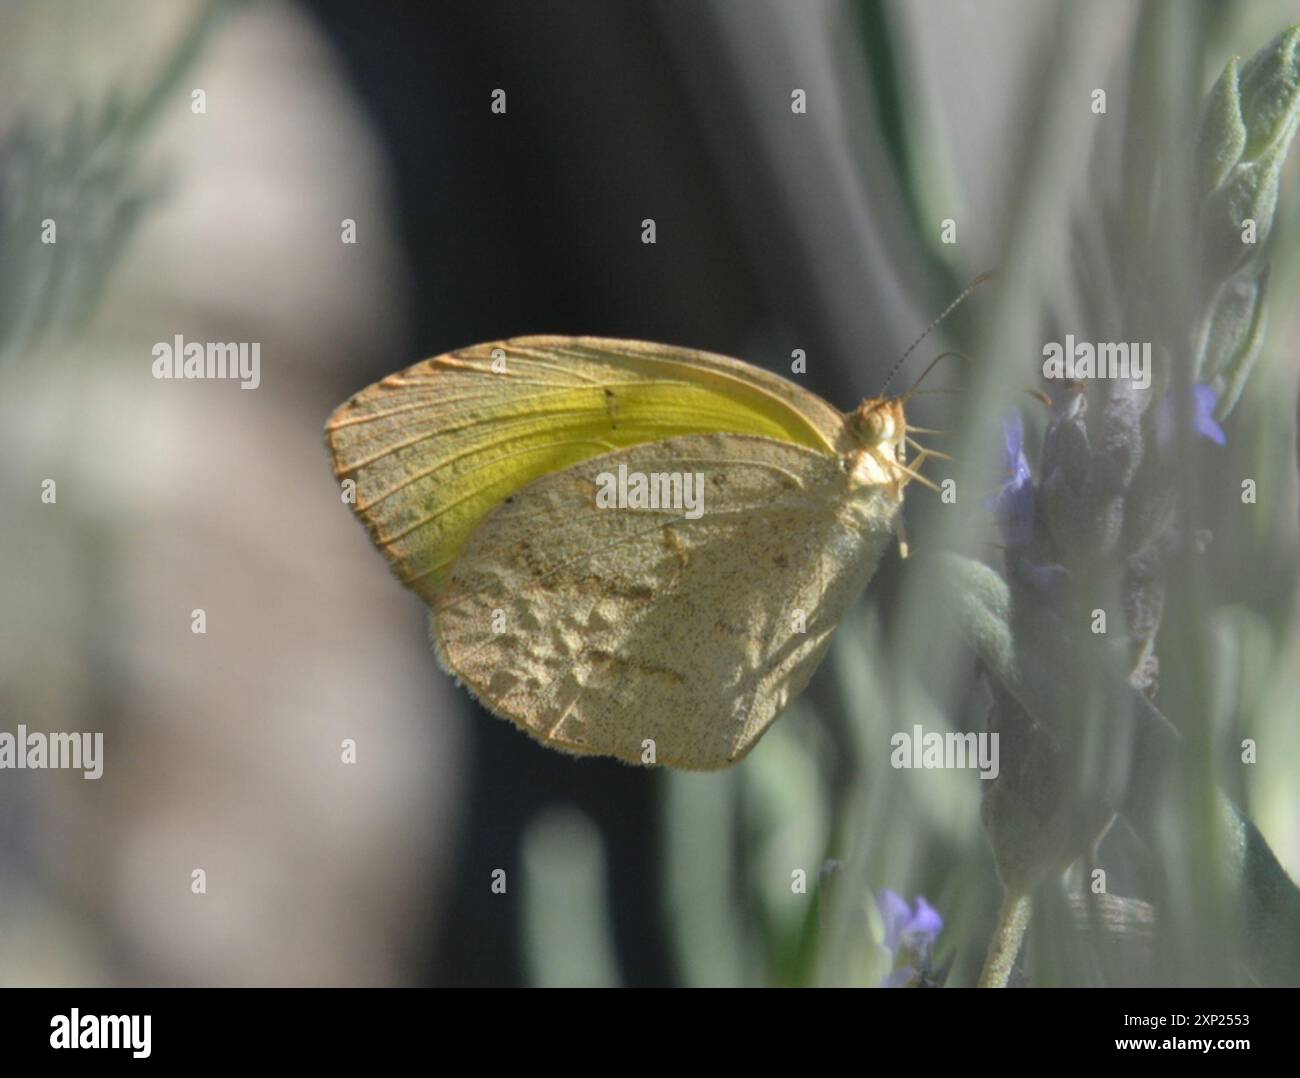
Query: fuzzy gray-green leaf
{"points": [[1247, 129], [1233, 337]]}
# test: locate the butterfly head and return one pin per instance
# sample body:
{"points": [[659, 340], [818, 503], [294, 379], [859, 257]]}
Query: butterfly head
{"points": [[878, 430], [878, 423]]}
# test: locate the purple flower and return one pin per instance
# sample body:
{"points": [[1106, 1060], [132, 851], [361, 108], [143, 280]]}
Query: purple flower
{"points": [[1013, 502], [909, 937], [1204, 421], [1204, 400]]}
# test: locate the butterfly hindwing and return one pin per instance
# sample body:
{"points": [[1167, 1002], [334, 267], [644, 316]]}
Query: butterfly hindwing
{"points": [[608, 630]]}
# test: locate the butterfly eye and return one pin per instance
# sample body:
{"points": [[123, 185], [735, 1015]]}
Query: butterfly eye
{"points": [[873, 425]]}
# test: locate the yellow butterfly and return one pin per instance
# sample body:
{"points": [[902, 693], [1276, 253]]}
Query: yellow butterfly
{"points": [[637, 629]]}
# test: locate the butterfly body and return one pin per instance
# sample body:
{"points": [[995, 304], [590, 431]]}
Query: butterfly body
{"points": [[643, 633]]}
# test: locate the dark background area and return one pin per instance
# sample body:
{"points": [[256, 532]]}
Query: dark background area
{"points": [[530, 222]]}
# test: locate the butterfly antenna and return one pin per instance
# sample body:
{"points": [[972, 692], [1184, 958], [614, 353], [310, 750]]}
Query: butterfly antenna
{"points": [[983, 277], [925, 373]]}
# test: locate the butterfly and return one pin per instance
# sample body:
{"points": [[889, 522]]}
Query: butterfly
{"points": [[625, 625]]}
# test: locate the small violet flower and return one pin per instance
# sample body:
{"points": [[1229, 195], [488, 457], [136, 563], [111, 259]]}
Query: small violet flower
{"points": [[1203, 421], [1204, 400], [1012, 505], [1013, 502], [909, 937]]}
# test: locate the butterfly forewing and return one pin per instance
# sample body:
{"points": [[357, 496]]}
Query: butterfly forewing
{"points": [[434, 448]]}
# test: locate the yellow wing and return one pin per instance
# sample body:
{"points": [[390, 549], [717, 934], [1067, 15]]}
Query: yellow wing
{"points": [[434, 448]]}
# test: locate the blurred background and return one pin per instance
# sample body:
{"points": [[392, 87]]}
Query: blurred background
{"points": [[776, 230]]}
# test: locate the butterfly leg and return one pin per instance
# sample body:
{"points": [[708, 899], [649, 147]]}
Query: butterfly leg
{"points": [[903, 548]]}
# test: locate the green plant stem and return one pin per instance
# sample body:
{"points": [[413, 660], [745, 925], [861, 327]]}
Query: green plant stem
{"points": [[145, 110], [1013, 919]]}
